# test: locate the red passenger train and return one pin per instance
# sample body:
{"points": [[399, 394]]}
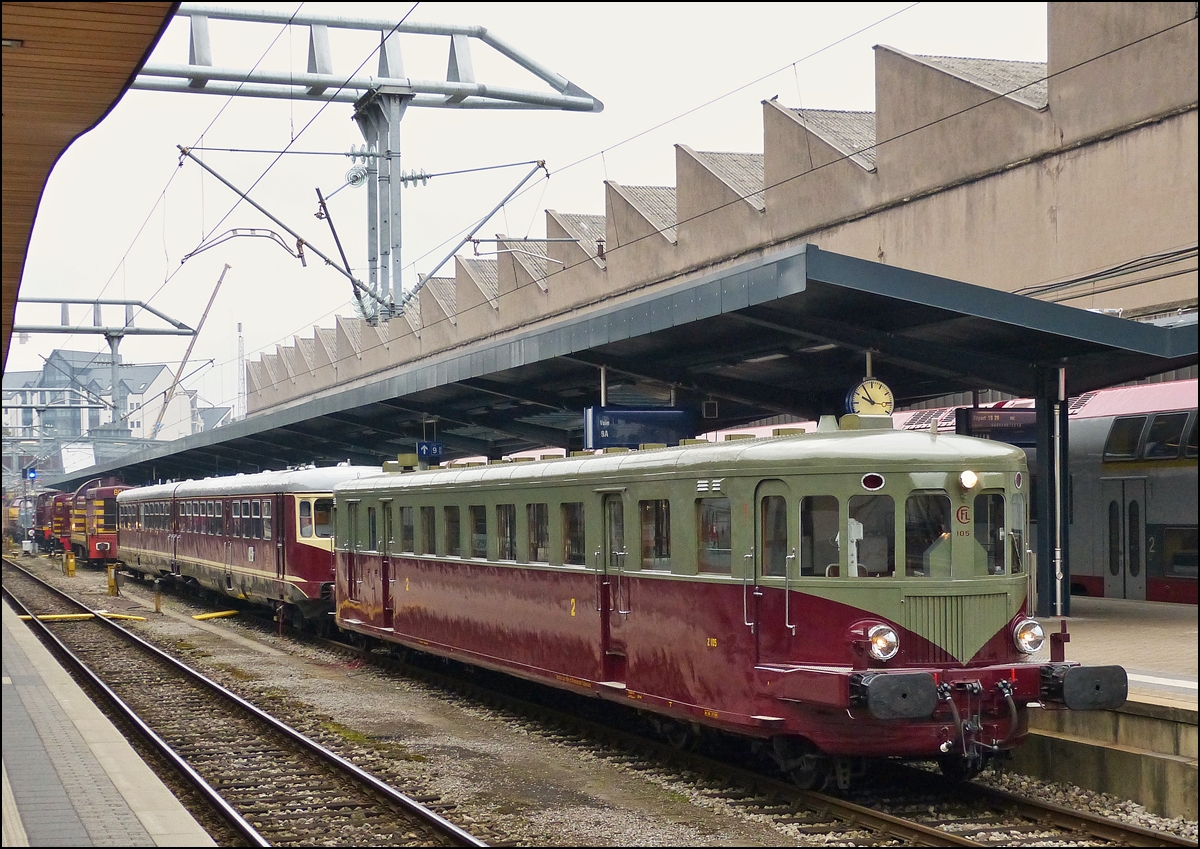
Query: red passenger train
{"points": [[838, 595], [266, 538]]}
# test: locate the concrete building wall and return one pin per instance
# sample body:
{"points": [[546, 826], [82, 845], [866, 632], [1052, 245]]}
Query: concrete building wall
{"points": [[1003, 174]]}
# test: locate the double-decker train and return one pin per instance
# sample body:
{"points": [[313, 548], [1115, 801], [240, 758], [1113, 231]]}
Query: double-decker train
{"points": [[840, 595], [265, 538]]}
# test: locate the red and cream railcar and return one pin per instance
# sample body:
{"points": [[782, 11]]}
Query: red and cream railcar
{"points": [[43, 524], [842, 595], [266, 538], [93, 531]]}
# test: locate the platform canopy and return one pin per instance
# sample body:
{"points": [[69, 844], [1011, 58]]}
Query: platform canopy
{"points": [[786, 333]]}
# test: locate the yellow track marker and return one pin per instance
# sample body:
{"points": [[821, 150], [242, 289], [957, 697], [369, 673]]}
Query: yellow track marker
{"points": [[217, 615]]}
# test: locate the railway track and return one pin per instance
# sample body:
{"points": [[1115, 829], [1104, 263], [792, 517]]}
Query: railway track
{"points": [[273, 785]]}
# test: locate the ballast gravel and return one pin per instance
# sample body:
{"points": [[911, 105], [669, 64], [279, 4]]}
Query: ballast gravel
{"points": [[488, 772]]}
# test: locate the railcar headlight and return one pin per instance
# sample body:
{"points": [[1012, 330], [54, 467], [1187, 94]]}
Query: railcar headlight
{"points": [[1028, 636], [883, 642], [968, 479]]}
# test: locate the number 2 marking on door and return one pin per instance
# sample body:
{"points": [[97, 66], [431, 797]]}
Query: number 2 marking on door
{"points": [[572, 607]]}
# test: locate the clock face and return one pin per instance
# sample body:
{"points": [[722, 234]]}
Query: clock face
{"points": [[872, 397]]}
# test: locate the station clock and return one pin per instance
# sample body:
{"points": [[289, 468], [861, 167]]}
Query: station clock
{"points": [[871, 397]]}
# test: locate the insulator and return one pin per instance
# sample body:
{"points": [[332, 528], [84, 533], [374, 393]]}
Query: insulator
{"points": [[356, 176]]}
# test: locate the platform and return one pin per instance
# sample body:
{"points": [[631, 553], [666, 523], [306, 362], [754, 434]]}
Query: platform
{"points": [[69, 777]]}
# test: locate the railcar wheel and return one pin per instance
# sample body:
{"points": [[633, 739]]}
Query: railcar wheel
{"points": [[959, 768], [810, 776]]}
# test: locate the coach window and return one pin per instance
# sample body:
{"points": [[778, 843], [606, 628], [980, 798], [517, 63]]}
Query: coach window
{"points": [[236, 519], [372, 530], [1166, 436], [477, 516], [1123, 438], [306, 526], [386, 532], [266, 519], [774, 535], [506, 531], [453, 532], [927, 535], [256, 518], [656, 533], [989, 533], [714, 532], [406, 530], [322, 517], [428, 532], [871, 533], [573, 539], [204, 507], [819, 552], [221, 510], [538, 516], [214, 515], [1016, 533]]}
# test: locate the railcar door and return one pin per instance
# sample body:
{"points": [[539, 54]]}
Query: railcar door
{"points": [[1125, 534], [613, 590], [385, 549], [775, 507]]}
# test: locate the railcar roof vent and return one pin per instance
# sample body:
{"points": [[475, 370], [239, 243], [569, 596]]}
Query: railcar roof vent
{"points": [[733, 437], [854, 421], [788, 431], [693, 442]]}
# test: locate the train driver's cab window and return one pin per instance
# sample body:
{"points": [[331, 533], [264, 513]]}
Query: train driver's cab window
{"points": [[819, 551], [573, 539], [1017, 520], [871, 537], [656, 533], [306, 518], [539, 532], [453, 532], [1165, 437], [478, 518], [714, 531], [989, 532], [927, 535], [1123, 438], [506, 531], [322, 517]]}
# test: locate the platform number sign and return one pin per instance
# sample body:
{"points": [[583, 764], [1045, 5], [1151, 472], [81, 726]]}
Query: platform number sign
{"points": [[31, 473], [430, 451]]}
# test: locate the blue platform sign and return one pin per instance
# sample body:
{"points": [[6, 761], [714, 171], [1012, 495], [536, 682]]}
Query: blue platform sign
{"points": [[608, 427], [430, 451], [31, 473]]}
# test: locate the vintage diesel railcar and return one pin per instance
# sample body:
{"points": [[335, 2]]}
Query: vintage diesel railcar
{"points": [[839, 595], [265, 538]]}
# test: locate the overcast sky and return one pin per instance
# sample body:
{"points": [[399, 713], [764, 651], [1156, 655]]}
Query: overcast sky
{"points": [[647, 62]]}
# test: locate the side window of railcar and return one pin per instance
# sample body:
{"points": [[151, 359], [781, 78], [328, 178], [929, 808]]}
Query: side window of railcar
{"points": [[927, 535], [453, 533], [247, 527], [428, 533], [1166, 436], [477, 516], [1190, 450], [236, 519], [871, 535], [989, 533], [1016, 532], [386, 534], [306, 520], [714, 532], [256, 518], [819, 552], [322, 517], [1123, 438], [407, 530], [266, 519], [539, 532], [656, 533], [573, 539], [372, 530], [506, 531], [774, 535]]}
